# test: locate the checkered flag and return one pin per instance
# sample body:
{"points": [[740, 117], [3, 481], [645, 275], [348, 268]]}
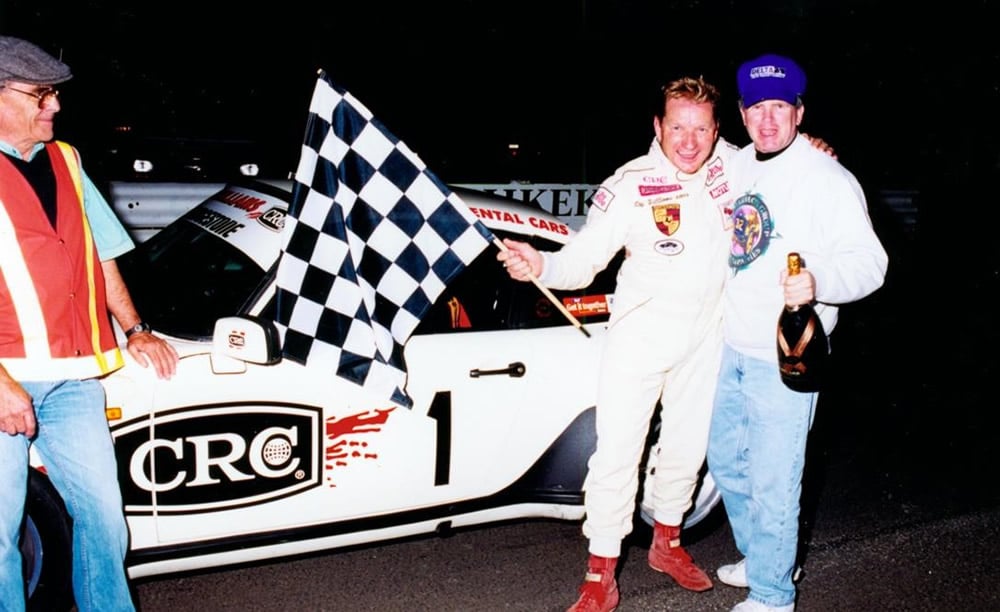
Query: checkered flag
{"points": [[371, 240]]}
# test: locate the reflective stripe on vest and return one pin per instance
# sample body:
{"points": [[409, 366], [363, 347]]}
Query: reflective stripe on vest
{"points": [[26, 303], [95, 334], [39, 361]]}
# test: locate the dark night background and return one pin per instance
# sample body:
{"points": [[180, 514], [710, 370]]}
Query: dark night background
{"points": [[905, 94]]}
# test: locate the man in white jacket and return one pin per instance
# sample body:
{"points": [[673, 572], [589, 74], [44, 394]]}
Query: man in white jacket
{"points": [[790, 197], [669, 210]]}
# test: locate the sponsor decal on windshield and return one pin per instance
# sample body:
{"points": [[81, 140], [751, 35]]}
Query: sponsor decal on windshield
{"points": [[229, 216], [273, 219], [218, 224], [243, 201]]}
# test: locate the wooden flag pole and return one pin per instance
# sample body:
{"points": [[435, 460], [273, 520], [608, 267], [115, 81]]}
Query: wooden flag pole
{"points": [[545, 290]]}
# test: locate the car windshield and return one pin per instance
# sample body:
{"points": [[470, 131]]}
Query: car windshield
{"points": [[217, 259], [184, 278], [484, 298]]}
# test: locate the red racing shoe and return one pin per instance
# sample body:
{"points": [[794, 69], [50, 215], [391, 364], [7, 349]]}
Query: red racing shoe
{"points": [[666, 555], [599, 591]]}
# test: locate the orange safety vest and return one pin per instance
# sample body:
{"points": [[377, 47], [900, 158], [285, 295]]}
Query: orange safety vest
{"points": [[54, 320]]}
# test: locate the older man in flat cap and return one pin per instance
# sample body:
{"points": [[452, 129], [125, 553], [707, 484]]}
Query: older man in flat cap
{"points": [[58, 285]]}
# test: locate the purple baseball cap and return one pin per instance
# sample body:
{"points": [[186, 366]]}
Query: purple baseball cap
{"points": [[770, 77]]}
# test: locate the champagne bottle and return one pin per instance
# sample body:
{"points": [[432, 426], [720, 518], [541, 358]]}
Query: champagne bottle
{"points": [[803, 348]]}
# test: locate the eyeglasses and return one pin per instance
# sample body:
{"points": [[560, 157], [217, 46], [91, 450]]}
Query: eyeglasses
{"points": [[43, 95]]}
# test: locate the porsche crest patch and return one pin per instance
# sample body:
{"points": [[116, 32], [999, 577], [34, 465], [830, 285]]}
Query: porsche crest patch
{"points": [[667, 218]]}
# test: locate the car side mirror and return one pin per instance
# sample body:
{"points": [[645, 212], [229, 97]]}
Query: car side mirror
{"points": [[239, 340]]}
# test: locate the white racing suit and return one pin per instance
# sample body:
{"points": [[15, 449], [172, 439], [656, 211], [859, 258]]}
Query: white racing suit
{"points": [[664, 334]]}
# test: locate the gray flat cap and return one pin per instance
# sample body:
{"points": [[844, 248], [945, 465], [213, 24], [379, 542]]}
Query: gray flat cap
{"points": [[23, 61]]}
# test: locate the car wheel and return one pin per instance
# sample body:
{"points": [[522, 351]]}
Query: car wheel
{"points": [[46, 548]]}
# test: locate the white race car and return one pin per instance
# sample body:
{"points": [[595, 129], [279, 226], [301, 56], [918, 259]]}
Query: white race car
{"points": [[243, 456]]}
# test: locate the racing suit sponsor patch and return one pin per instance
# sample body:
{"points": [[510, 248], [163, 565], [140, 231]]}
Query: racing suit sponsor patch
{"points": [[715, 170], [602, 198], [726, 212], [667, 217], [718, 191], [669, 247], [648, 190]]}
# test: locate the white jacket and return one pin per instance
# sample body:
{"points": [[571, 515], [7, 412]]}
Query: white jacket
{"points": [[674, 227], [800, 200]]}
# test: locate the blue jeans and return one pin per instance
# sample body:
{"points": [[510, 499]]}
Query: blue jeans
{"points": [[756, 454], [75, 444]]}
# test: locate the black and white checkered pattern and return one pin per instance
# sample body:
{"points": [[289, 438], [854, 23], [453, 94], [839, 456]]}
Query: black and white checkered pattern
{"points": [[371, 240]]}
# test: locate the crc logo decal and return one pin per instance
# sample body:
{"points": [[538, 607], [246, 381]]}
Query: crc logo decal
{"points": [[237, 339], [217, 457], [273, 219]]}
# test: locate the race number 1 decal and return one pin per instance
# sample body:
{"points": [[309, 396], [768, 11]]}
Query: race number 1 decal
{"points": [[440, 411]]}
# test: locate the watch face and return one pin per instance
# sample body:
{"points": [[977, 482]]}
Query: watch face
{"points": [[139, 327]]}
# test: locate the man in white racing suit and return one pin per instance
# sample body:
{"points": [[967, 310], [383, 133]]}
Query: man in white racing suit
{"points": [[669, 210]]}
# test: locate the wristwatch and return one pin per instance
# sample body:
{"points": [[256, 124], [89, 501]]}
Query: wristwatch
{"points": [[141, 326]]}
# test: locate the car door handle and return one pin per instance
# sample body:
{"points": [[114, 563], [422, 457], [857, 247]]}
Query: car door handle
{"points": [[514, 370]]}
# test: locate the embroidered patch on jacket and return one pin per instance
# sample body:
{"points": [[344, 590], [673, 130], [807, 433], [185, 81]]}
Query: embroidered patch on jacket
{"points": [[719, 191], [648, 190], [602, 198], [715, 169], [726, 212], [752, 230], [667, 218], [669, 247]]}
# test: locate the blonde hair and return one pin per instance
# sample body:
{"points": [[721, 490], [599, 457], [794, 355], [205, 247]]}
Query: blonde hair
{"points": [[697, 90]]}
